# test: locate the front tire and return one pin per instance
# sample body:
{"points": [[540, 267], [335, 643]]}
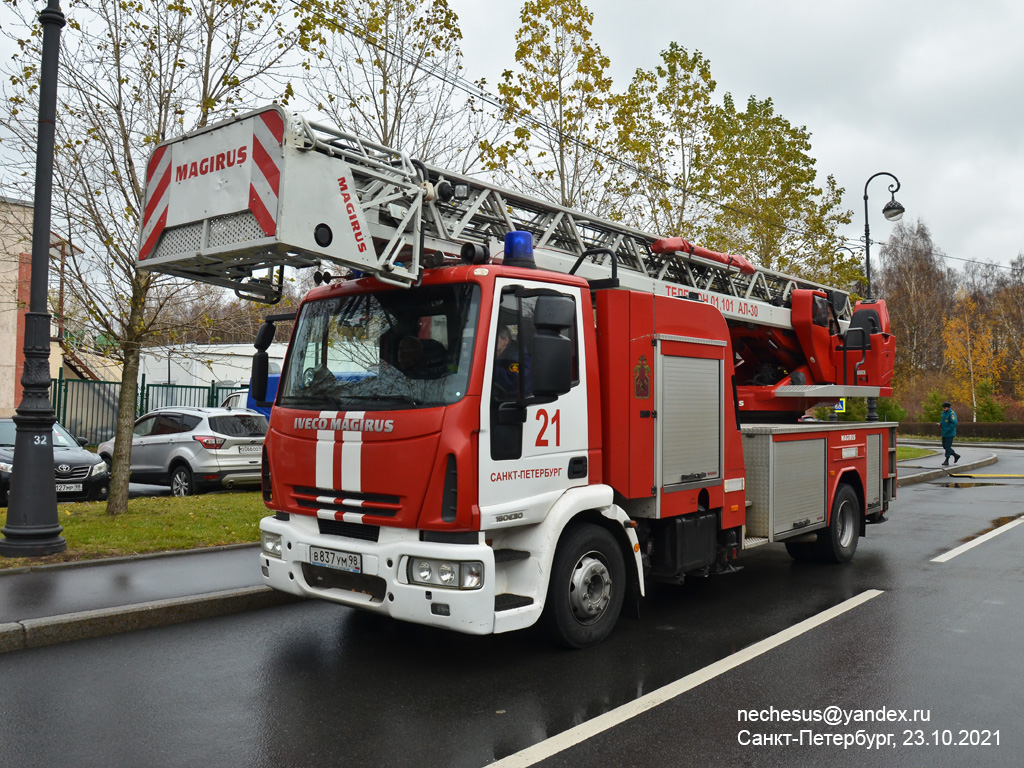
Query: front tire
{"points": [[838, 542], [587, 587], [181, 481]]}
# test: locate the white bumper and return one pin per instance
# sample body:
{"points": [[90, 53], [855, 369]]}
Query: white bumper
{"points": [[383, 586]]}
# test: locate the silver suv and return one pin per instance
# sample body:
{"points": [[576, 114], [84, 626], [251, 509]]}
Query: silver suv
{"points": [[195, 449]]}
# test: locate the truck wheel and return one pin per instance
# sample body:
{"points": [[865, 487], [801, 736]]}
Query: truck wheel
{"points": [[181, 481], [587, 586], [838, 542]]}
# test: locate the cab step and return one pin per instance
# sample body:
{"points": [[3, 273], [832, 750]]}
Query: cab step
{"points": [[506, 601]]}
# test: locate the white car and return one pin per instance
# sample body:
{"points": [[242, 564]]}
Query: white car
{"points": [[195, 449]]}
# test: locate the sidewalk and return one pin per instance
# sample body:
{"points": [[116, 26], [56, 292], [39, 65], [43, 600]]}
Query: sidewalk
{"points": [[52, 604], [927, 468]]}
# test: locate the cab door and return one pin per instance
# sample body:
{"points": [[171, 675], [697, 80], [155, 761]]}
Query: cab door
{"points": [[533, 446]]}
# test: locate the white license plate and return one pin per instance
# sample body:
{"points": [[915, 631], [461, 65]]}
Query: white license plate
{"points": [[343, 561], [69, 487], [250, 448]]}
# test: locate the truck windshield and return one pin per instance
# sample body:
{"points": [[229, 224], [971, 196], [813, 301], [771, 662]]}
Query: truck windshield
{"points": [[382, 351]]}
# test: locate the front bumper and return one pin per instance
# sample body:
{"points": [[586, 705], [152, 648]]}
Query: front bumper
{"points": [[383, 586], [91, 488]]}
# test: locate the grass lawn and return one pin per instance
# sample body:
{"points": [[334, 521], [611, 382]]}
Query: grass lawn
{"points": [[156, 524], [910, 452]]}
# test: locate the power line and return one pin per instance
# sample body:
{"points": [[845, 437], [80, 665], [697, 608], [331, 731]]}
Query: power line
{"points": [[936, 253]]}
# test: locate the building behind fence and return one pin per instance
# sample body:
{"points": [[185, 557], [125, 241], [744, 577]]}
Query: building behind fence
{"points": [[89, 408], [188, 375]]}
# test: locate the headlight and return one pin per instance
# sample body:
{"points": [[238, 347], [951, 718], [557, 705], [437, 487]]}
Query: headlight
{"points": [[270, 543], [98, 469], [7, 467], [472, 575], [446, 573]]}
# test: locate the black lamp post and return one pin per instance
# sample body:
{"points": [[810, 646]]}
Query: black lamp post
{"points": [[892, 211], [33, 526]]}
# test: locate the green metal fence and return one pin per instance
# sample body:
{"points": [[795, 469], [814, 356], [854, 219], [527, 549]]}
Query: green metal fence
{"points": [[89, 408], [86, 408], [163, 395]]}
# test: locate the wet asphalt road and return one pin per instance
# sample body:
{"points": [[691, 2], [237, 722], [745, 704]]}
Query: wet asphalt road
{"points": [[317, 685]]}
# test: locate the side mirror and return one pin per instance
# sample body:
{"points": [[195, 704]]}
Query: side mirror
{"points": [[552, 365], [552, 350], [554, 313], [265, 336], [258, 378], [82, 441], [261, 360]]}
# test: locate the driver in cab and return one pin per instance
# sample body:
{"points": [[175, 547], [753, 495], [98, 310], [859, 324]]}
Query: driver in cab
{"points": [[506, 365]]}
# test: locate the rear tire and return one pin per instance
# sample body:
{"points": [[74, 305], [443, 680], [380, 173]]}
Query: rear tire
{"points": [[838, 542], [181, 481], [586, 589]]}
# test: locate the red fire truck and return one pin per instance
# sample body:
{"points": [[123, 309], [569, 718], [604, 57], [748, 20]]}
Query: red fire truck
{"points": [[509, 411]]}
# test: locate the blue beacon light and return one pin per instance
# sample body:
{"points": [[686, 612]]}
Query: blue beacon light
{"points": [[519, 250]]}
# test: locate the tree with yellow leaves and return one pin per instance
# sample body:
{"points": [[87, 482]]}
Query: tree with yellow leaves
{"points": [[972, 354]]}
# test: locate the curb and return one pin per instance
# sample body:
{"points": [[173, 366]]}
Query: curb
{"points": [[125, 558], [37, 633], [935, 474]]}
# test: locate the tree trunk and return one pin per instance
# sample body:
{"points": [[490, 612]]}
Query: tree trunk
{"points": [[117, 501]]}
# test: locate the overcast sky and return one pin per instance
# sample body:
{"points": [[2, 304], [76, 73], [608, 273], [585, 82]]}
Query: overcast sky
{"points": [[929, 90]]}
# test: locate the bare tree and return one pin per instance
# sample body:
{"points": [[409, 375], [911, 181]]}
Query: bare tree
{"points": [[394, 76], [920, 291], [132, 75]]}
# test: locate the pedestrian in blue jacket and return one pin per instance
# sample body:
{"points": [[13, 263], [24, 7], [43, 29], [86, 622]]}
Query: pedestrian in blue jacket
{"points": [[948, 424]]}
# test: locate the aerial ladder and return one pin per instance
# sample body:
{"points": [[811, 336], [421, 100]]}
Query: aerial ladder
{"points": [[292, 192]]}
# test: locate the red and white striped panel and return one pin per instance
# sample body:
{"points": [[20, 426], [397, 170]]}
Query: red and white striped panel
{"points": [[267, 155], [344, 471], [154, 217], [264, 180]]}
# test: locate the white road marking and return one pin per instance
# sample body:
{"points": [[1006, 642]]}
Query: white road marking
{"points": [[619, 715], [975, 542]]}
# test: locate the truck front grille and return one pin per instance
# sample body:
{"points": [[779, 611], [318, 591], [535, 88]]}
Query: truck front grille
{"points": [[349, 530]]}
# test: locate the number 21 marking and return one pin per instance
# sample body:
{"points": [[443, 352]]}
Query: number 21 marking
{"points": [[554, 421]]}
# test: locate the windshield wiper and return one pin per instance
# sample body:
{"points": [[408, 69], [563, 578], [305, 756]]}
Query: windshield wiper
{"points": [[315, 400], [379, 398]]}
